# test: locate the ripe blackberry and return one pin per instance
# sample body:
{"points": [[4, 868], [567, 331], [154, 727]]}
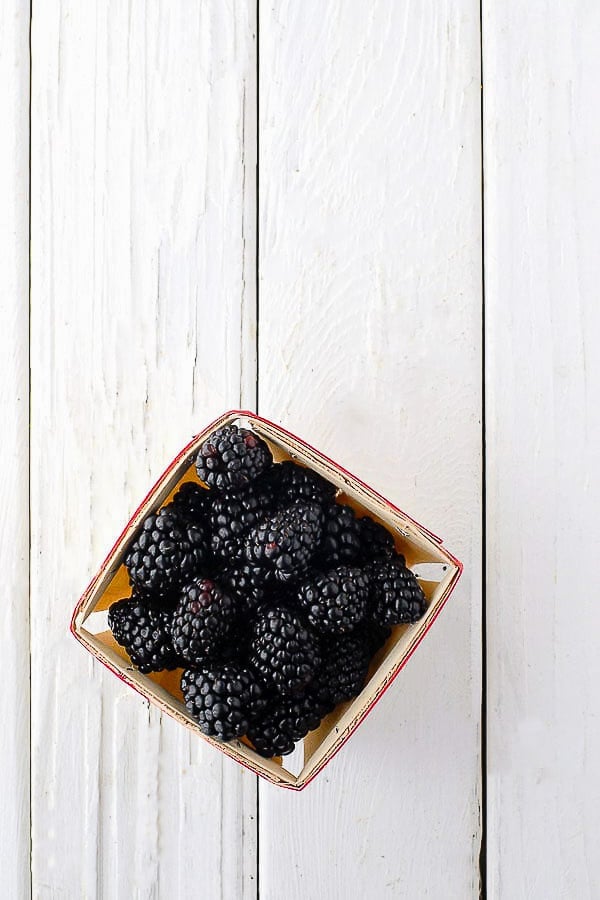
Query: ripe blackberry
{"points": [[342, 675], [192, 502], [145, 633], [203, 621], [167, 553], [286, 721], [375, 635], [231, 457], [246, 584], [223, 699], [376, 542], [341, 536], [233, 513], [284, 543], [293, 482], [335, 601], [396, 595], [283, 651]]}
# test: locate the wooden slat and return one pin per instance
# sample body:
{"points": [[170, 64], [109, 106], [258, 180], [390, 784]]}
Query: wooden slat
{"points": [[143, 204], [14, 448], [542, 201], [370, 348]]}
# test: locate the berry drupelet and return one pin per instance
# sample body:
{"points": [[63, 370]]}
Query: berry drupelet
{"points": [[223, 699], [168, 551], [293, 482], [231, 457], [375, 635], [376, 542], [203, 621], [283, 650], [145, 633], [233, 514], [246, 583], [335, 601], [284, 543], [342, 675], [192, 502], [285, 721], [396, 595], [340, 542]]}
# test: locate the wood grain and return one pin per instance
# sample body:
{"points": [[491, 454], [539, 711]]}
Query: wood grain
{"points": [[14, 448], [542, 201], [143, 329], [370, 344]]}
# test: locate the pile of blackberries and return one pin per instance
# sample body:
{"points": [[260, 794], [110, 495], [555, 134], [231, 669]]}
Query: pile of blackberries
{"points": [[271, 596]]}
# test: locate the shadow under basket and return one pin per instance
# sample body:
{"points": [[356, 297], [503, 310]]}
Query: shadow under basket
{"points": [[437, 571]]}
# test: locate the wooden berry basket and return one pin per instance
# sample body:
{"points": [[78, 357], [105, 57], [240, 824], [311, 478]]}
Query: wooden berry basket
{"points": [[437, 569]]}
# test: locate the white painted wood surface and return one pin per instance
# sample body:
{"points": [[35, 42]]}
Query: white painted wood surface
{"points": [[143, 210], [542, 200], [143, 326], [370, 323], [14, 448]]}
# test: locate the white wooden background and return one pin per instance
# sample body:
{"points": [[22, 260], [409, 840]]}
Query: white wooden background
{"points": [[279, 205]]}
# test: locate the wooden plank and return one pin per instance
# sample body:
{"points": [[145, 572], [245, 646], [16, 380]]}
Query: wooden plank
{"points": [[370, 348], [143, 306], [542, 202], [14, 447]]}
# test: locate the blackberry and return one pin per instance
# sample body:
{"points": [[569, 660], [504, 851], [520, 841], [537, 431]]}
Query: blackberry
{"points": [[343, 673], [167, 552], [293, 482], [396, 595], [145, 633], [341, 536], [283, 651], [192, 502], [376, 542], [286, 721], [336, 601], [375, 635], [231, 457], [246, 584], [284, 543], [223, 699], [233, 513], [203, 621]]}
